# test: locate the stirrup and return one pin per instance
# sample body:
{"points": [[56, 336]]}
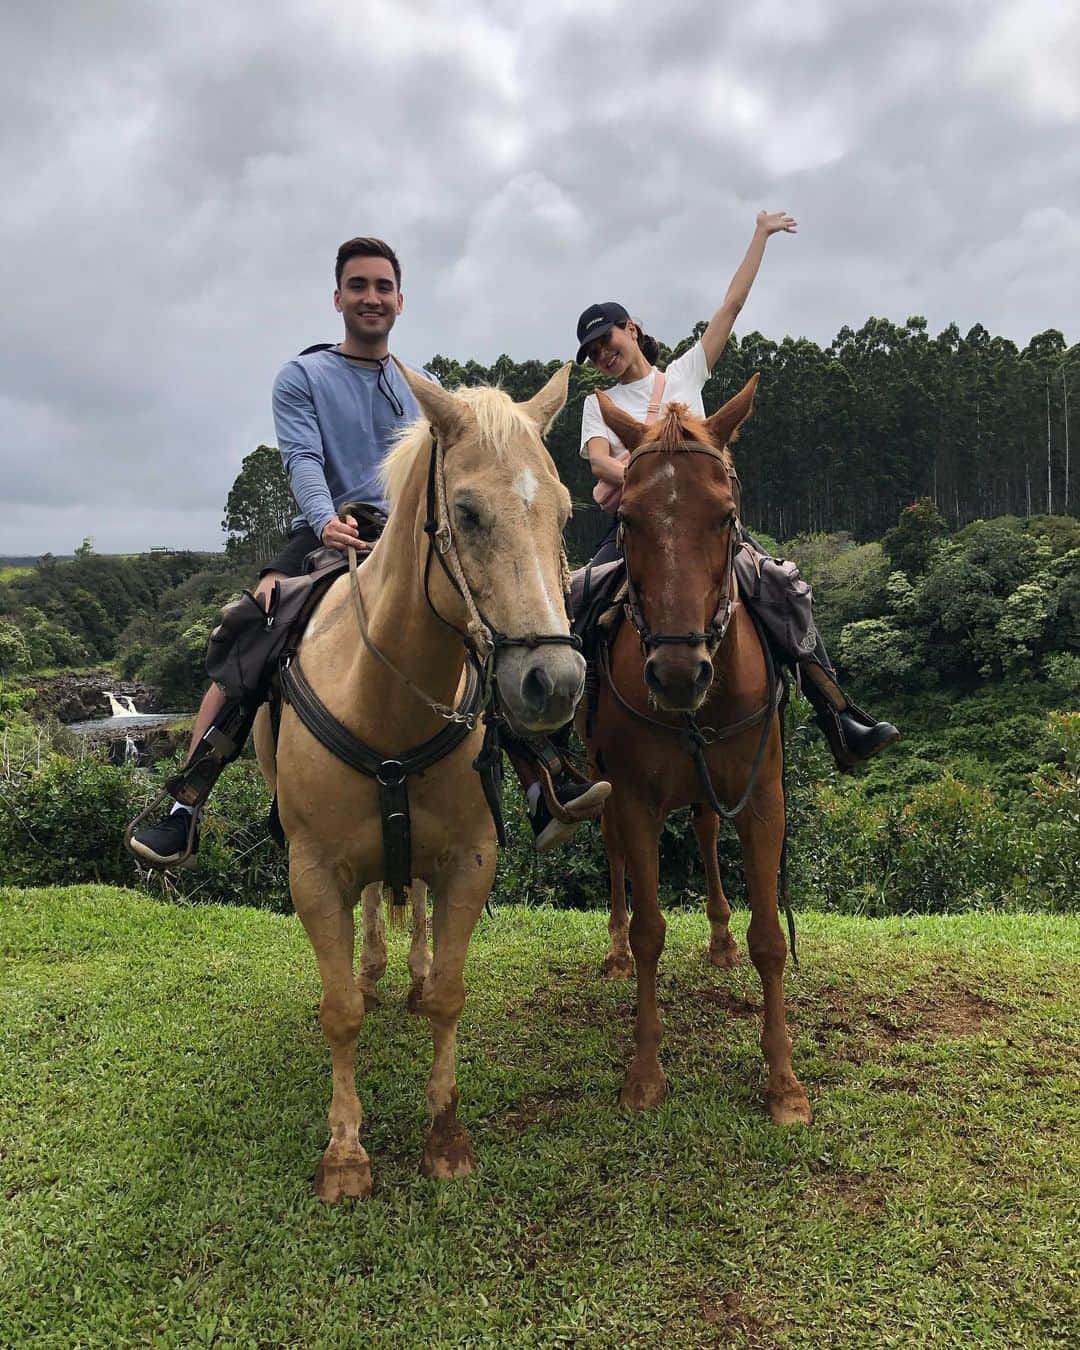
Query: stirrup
{"points": [[153, 809]]}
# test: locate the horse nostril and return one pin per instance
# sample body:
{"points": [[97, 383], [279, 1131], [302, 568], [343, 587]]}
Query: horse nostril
{"points": [[704, 676], [652, 680], [537, 687]]}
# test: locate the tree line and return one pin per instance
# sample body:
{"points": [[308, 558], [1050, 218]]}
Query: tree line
{"points": [[842, 437]]}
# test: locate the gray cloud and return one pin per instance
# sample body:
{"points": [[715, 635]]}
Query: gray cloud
{"points": [[181, 174]]}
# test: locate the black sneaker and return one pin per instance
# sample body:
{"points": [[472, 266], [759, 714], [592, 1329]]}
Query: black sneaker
{"points": [[581, 801], [166, 843]]}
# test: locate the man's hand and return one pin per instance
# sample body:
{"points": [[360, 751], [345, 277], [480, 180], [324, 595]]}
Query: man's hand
{"points": [[344, 534], [771, 222]]}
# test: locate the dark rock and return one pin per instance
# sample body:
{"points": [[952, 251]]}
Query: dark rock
{"points": [[77, 698]]}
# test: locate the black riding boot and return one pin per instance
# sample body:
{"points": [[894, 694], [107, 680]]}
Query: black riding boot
{"points": [[853, 735]]}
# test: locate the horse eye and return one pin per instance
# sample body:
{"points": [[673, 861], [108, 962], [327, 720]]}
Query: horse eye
{"points": [[468, 519]]}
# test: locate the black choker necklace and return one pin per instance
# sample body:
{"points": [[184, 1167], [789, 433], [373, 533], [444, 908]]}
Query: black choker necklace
{"points": [[380, 361]]}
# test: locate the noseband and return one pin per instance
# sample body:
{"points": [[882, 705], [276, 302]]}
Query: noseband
{"points": [[713, 634]]}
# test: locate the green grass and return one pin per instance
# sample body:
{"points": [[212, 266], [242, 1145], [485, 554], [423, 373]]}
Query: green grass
{"points": [[164, 1084]]}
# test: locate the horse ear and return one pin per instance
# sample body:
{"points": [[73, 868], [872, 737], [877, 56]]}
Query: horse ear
{"points": [[544, 407], [628, 429], [724, 424], [446, 413]]}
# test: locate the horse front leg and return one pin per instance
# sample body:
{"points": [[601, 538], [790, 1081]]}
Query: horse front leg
{"points": [[723, 950], [618, 964], [459, 901], [761, 833], [645, 1084], [321, 902]]}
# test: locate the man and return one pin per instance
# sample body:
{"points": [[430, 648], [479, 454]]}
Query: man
{"points": [[337, 412]]}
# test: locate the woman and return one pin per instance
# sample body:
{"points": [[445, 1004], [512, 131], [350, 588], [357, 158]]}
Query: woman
{"points": [[615, 344]]}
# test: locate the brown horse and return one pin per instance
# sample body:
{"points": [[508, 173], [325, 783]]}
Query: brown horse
{"points": [[472, 553], [690, 648]]}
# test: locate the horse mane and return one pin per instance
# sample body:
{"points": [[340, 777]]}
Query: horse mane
{"points": [[679, 425], [498, 419]]}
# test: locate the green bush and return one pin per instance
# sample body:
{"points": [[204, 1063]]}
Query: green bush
{"points": [[14, 653], [954, 850], [63, 821]]}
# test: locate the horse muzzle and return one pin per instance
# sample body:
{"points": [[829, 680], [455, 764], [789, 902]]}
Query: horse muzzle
{"points": [[539, 687], [678, 678]]}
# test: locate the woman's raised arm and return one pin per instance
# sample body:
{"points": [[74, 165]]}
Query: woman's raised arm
{"points": [[714, 339]]}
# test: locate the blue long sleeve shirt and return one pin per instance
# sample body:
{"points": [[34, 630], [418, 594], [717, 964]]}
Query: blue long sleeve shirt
{"points": [[335, 424]]}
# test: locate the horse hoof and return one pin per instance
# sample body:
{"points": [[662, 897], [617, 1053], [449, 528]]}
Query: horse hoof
{"points": [[643, 1094], [448, 1154], [350, 1179], [791, 1107], [372, 998], [617, 967], [724, 954], [415, 999]]}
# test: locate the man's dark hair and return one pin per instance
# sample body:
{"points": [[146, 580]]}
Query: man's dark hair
{"points": [[366, 248]]}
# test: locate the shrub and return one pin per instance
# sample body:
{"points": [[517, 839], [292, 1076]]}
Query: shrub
{"points": [[954, 850], [14, 653]]}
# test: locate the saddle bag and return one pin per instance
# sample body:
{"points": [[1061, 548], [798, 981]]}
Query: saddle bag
{"points": [[774, 589], [243, 651]]}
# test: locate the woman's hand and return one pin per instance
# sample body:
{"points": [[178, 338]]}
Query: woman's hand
{"points": [[771, 222]]}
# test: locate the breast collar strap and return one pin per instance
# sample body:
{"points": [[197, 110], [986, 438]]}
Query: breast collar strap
{"points": [[714, 633]]}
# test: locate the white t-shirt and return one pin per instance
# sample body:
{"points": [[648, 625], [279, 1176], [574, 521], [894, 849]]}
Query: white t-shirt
{"points": [[685, 379]]}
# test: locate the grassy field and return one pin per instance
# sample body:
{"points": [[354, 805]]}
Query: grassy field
{"points": [[163, 1088]]}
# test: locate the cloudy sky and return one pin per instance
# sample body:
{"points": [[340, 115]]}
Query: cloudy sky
{"points": [[178, 177]]}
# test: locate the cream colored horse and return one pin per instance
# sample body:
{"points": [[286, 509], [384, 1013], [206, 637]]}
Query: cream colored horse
{"points": [[506, 509]]}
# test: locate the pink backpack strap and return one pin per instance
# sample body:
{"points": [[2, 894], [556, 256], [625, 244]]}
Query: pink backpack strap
{"points": [[656, 397]]}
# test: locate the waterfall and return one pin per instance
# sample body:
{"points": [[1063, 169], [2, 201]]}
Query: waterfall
{"points": [[131, 750], [121, 707]]}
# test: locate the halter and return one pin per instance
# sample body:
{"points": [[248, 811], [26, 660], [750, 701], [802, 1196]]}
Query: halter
{"points": [[713, 634], [482, 639]]}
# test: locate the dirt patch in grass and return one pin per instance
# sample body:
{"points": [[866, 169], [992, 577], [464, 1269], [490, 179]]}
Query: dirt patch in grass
{"points": [[857, 1192], [943, 1009], [949, 1011], [733, 1004], [726, 1316], [546, 1106]]}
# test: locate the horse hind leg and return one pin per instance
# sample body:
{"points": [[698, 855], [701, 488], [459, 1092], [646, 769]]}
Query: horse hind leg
{"points": [[345, 1170], [419, 951], [723, 950], [374, 958], [618, 964]]}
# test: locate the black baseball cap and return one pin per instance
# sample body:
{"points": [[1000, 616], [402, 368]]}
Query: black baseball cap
{"points": [[595, 322]]}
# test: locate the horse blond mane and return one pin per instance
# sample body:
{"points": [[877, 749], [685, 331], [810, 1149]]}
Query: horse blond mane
{"points": [[679, 425], [498, 420]]}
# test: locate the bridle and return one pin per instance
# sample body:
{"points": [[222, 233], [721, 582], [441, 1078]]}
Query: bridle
{"points": [[713, 633], [482, 640]]}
